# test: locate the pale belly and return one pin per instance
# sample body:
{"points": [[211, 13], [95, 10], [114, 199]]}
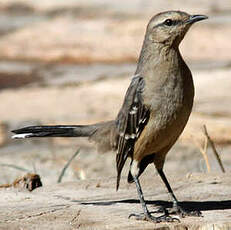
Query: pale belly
{"points": [[162, 130]]}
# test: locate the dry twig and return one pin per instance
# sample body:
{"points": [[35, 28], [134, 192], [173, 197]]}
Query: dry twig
{"points": [[204, 152], [66, 166], [214, 149]]}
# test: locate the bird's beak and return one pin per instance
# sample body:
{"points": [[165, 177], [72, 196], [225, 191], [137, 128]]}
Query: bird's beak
{"points": [[196, 18]]}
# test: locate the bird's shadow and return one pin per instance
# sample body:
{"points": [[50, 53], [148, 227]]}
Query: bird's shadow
{"points": [[188, 205]]}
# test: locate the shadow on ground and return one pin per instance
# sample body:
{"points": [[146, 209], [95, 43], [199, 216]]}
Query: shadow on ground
{"points": [[188, 205]]}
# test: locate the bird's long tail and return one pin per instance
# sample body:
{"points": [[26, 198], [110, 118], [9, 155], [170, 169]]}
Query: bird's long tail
{"points": [[100, 133], [56, 131]]}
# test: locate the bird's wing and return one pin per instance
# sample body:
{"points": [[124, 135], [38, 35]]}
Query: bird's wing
{"points": [[130, 122]]}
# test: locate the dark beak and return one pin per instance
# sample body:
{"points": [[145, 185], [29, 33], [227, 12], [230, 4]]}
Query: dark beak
{"points": [[196, 18]]}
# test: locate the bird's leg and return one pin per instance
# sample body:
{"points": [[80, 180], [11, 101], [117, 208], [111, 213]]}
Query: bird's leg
{"points": [[176, 207], [147, 215]]}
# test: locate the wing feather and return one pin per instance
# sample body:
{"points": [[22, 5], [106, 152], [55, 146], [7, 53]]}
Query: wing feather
{"points": [[130, 122]]}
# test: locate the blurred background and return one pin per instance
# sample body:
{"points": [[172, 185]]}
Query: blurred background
{"points": [[70, 62]]}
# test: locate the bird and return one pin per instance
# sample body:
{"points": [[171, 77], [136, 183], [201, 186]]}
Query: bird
{"points": [[155, 110]]}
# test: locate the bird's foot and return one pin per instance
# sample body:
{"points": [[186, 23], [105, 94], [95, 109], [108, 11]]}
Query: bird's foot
{"points": [[148, 217]]}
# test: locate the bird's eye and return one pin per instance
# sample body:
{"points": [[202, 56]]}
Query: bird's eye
{"points": [[168, 22]]}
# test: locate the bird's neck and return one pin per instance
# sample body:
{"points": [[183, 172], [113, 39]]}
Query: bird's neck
{"points": [[159, 64], [157, 55]]}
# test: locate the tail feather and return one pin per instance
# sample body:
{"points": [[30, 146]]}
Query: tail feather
{"points": [[55, 131]]}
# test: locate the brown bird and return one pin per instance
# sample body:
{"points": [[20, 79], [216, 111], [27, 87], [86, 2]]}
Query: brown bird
{"points": [[155, 110]]}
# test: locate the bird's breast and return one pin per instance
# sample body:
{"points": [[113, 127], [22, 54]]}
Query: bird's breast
{"points": [[170, 105]]}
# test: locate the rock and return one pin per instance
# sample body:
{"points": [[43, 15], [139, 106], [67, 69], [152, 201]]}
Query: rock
{"points": [[30, 181], [85, 205]]}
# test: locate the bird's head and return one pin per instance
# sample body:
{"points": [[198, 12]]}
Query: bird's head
{"points": [[170, 27]]}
